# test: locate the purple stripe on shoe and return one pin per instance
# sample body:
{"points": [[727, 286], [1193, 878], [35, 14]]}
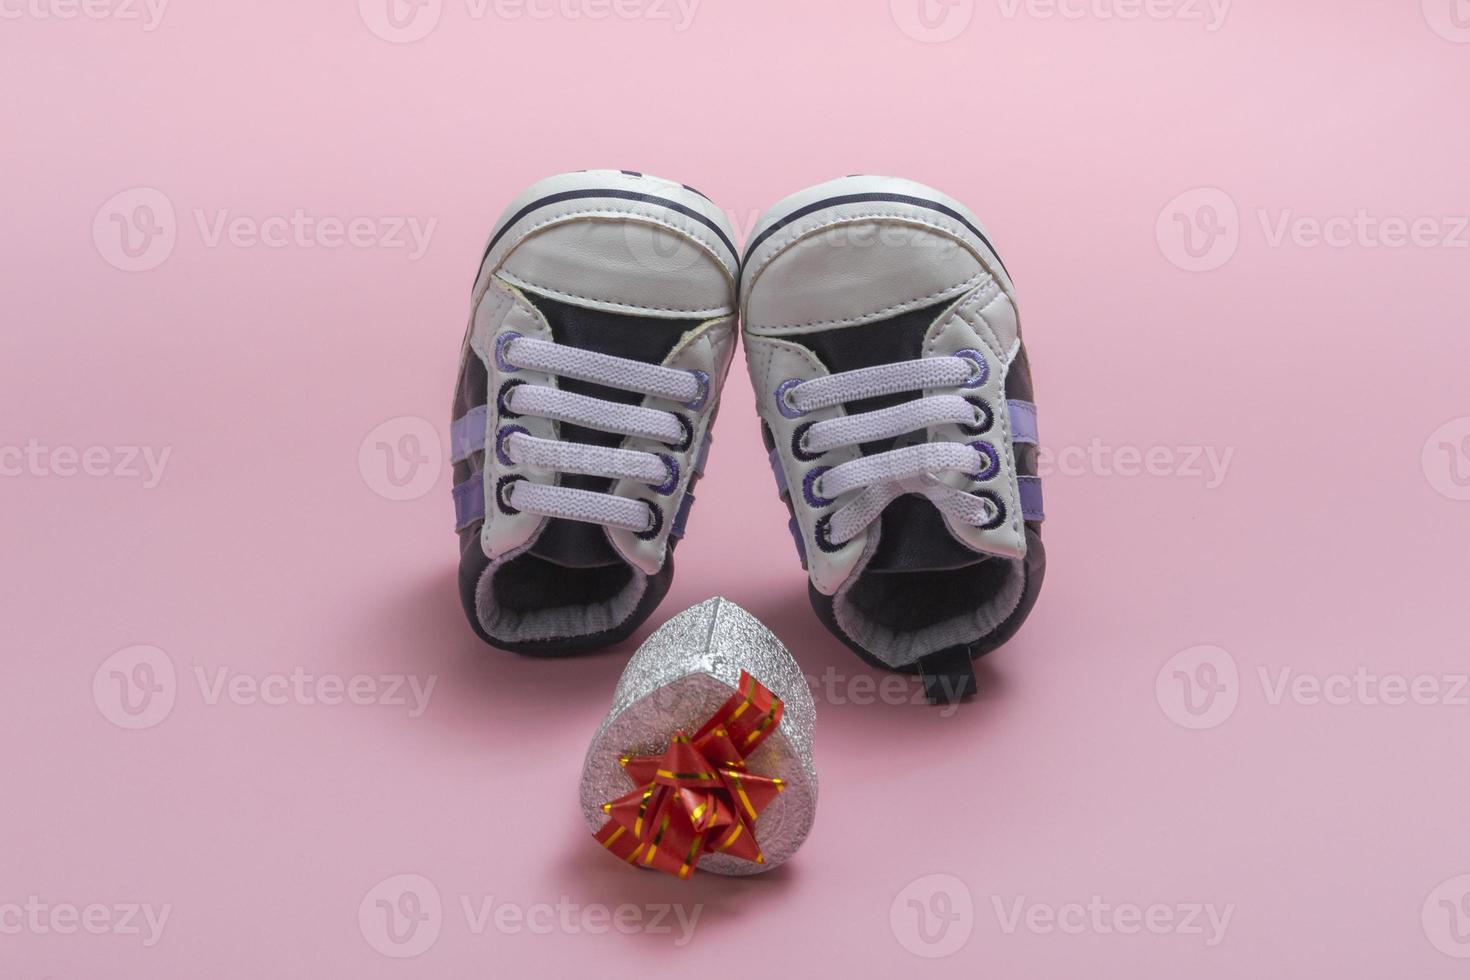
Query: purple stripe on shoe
{"points": [[1030, 487], [778, 472], [467, 434], [1023, 422], [469, 502], [703, 457], [682, 518], [795, 530]]}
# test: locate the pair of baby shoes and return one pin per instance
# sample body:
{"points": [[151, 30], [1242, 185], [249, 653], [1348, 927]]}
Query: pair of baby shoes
{"points": [[885, 351]]}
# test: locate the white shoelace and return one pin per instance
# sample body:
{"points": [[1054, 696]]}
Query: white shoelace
{"points": [[513, 444], [883, 477]]}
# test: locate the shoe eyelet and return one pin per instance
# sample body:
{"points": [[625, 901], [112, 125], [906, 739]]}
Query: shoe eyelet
{"points": [[783, 404], [985, 418], [656, 525], [672, 484], [502, 399], [797, 438], [501, 343], [992, 461], [982, 367], [823, 533], [996, 504], [809, 489], [504, 487], [687, 439], [701, 399], [506, 431]]}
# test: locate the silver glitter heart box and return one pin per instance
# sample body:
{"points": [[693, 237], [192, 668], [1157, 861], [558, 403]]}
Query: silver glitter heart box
{"points": [[682, 675]]}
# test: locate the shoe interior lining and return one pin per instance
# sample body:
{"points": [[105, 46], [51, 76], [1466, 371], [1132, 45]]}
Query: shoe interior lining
{"points": [[511, 597], [900, 617]]}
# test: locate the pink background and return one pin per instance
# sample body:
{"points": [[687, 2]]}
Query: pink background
{"points": [[1336, 540]]}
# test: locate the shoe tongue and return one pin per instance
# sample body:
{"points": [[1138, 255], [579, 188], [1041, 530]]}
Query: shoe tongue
{"points": [[913, 535], [573, 544], [914, 538]]}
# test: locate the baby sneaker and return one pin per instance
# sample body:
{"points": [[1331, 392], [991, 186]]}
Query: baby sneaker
{"points": [[601, 330], [885, 350]]}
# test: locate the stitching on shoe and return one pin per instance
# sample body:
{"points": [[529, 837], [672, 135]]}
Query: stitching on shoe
{"points": [[555, 293], [799, 232], [965, 310], [970, 313], [713, 339], [956, 289], [688, 232]]}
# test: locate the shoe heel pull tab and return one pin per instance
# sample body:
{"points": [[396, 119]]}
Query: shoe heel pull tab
{"points": [[949, 675]]}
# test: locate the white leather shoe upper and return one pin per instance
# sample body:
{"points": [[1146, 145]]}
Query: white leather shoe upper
{"points": [[864, 252], [618, 243]]}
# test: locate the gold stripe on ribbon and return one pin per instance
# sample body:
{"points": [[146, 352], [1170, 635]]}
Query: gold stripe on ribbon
{"points": [[699, 776], [642, 810], [734, 836], [657, 839], [694, 849], [740, 791], [749, 699], [764, 724]]}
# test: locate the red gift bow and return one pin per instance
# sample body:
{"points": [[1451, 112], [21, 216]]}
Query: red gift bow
{"points": [[698, 797]]}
